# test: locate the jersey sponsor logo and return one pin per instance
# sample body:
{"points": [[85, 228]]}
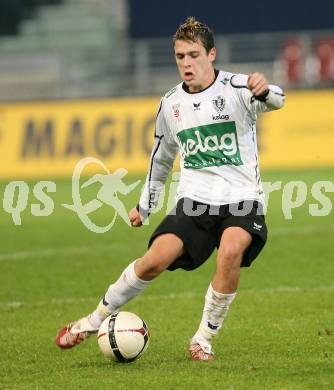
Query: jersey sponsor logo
{"points": [[219, 103], [220, 117], [210, 145]]}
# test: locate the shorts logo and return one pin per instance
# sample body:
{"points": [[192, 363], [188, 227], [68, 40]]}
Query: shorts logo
{"points": [[210, 145], [256, 226], [219, 103]]}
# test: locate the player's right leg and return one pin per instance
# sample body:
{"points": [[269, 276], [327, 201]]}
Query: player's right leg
{"points": [[164, 250]]}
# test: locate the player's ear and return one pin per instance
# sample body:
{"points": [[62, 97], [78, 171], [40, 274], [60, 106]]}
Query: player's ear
{"points": [[212, 54]]}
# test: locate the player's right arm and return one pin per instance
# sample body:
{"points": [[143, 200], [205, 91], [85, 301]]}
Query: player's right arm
{"points": [[135, 218], [161, 162]]}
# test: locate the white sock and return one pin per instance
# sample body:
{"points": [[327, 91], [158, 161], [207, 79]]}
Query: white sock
{"points": [[214, 313], [128, 286]]}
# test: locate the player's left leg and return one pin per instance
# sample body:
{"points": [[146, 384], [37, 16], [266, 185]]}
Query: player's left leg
{"points": [[221, 291], [165, 249]]}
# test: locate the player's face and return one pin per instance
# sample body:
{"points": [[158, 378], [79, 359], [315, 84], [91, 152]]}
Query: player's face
{"points": [[194, 64]]}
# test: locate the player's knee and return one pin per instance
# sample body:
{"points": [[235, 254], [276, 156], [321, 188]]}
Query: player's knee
{"points": [[230, 253], [150, 266], [155, 269]]}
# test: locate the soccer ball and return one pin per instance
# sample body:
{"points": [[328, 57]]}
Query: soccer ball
{"points": [[123, 337]]}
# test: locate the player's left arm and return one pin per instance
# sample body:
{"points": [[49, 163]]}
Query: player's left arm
{"points": [[265, 97]]}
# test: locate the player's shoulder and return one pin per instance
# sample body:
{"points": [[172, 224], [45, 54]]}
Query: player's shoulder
{"points": [[171, 98], [224, 77], [236, 80], [172, 93], [232, 83], [235, 84]]}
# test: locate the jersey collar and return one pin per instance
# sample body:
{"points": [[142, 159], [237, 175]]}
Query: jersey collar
{"points": [[186, 90]]}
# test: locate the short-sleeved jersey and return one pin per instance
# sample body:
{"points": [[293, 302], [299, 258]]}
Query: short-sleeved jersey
{"points": [[214, 131]]}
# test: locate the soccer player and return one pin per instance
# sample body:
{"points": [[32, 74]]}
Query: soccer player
{"points": [[210, 119]]}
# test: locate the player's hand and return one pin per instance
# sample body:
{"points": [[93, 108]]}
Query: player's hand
{"points": [[257, 84], [135, 218]]}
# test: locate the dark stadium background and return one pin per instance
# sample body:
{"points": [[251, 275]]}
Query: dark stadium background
{"points": [[151, 18]]}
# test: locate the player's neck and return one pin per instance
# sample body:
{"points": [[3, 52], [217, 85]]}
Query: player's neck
{"points": [[207, 84]]}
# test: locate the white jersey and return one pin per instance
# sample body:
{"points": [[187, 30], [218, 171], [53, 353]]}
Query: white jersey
{"points": [[214, 131]]}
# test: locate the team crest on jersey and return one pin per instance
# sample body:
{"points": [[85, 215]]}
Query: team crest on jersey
{"points": [[219, 103]]}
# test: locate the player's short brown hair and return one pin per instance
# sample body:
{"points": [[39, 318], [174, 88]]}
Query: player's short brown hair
{"points": [[193, 30]]}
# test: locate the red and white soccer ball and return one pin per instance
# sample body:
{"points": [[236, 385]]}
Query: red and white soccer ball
{"points": [[123, 337]]}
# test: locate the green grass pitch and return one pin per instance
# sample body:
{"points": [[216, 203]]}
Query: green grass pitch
{"points": [[279, 333]]}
